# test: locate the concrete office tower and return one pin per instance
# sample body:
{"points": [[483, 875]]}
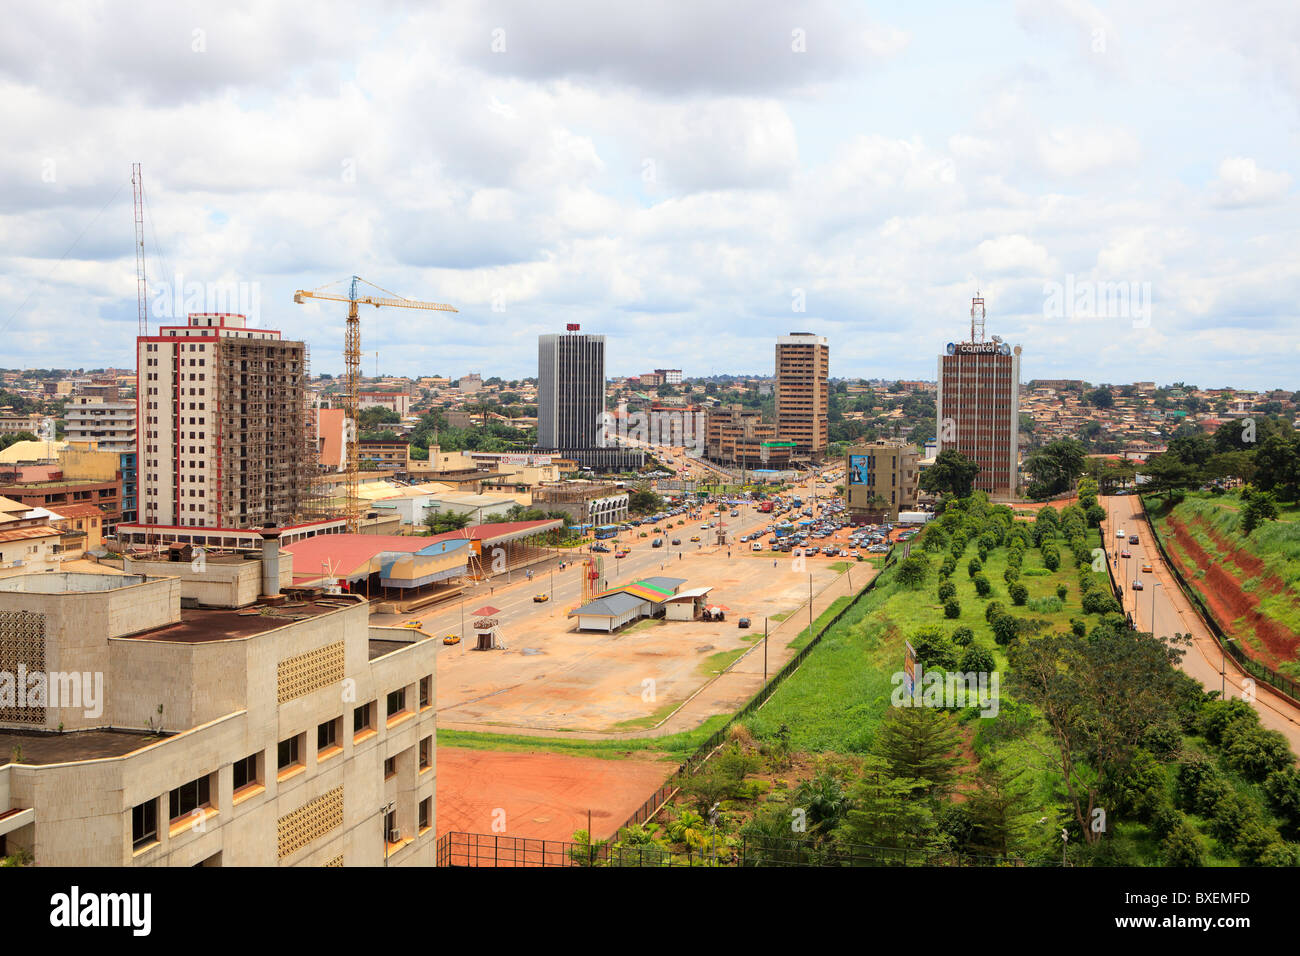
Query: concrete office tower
{"points": [[881, 479], [570, 390], [802, 388], [222, 426], [978, 406]]}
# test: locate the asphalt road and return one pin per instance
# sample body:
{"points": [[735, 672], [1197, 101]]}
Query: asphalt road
{"points": [[1163, 602]]}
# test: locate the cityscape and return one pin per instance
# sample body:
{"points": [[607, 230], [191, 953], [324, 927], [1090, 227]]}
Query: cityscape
{"points": [[939, 545]]}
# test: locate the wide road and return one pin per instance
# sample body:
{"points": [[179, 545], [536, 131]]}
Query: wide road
{"points": [[1162, 601]]}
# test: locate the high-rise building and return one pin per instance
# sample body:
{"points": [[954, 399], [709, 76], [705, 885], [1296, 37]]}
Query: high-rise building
{"points": [[978, 406], [570, 390], [881, 479], [735, 435], [571, 401], [802, 390], [222, 426], [100, 419]]}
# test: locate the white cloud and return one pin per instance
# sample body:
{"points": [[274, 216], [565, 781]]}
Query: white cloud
{"points": [[1241, 182]]}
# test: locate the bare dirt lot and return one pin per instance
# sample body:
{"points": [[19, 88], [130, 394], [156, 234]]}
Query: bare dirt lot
{"points": [[540, 795], [552, 677]]}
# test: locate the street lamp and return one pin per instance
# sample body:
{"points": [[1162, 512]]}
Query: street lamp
{"points": [[1223, 667], [1154, 585]]}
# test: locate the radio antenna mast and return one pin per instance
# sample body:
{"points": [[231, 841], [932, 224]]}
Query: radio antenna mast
{"points": [[977, 318], [137, 185]]}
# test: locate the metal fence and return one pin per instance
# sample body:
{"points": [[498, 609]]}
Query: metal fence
{"points": [[1227, 644], [489, 850]]}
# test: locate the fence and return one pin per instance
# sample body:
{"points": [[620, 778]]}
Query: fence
{"points": [[655, 802], [1228, 645], [488, 850]]}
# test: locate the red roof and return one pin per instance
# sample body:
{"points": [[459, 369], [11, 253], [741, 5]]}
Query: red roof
{"points": [[344, 553]]}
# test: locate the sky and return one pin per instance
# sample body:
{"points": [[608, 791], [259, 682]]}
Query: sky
{"points": [[691, 179]]}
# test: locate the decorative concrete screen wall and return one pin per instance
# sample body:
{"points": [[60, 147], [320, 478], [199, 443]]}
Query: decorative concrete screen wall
{"points": [[304, 673], [22, 646], [309, 822]]}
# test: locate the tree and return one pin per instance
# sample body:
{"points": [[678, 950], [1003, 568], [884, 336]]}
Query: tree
{"points": [[913, 571], [15, 438], [644, 501], [1257, 507], [1277, 467], [920, 743], [440, 522], [1054, 467], [1101, 398], [886, 811], [1001, 808], [1098, 695], [952, 473]]}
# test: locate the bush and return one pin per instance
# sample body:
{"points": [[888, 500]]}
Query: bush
{"points": [[1253, 751], [1019, 593], [1216, 715], [982, 586], [977, 659], [1062, 591], [973, 568], [1051, 559], [934, 649], [1005, 629], [962, 636], [1098, 602], [1280, 854], [951, 609], [1283, 790], [913, 571], [1035, 572], [1077, 627], [1182, 846], [1011, 575], [948, 566], [947, 591], [994, 609]]}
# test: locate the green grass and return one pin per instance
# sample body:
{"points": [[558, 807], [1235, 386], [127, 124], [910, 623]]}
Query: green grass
{"points": [[839, 604], [717, 663], [673, 747], [840, 693], [839, 567]]}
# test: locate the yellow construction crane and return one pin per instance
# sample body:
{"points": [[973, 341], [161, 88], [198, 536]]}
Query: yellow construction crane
{"points": [[352, 365]]}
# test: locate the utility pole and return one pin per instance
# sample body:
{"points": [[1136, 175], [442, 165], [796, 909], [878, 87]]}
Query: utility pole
{"points": [[764, 650]]}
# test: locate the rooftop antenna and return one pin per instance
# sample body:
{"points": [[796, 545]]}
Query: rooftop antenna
{"points": [[977, 318]]}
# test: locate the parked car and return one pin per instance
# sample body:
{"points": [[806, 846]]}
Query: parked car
{"points": [[743, 622]]}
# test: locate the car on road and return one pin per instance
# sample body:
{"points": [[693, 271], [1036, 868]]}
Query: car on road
{"points": [[1146, 569], [695, 537], [414, 625], [1137, 584], [600, 548], [541, 598], [1132, 539], [451, 638], [743, 622], [657, 543], [1119, 533], [621, 553], [677, 541], [1125, 554]]}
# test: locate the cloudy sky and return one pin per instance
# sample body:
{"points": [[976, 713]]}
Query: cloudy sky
{"points": [[689, 178]]}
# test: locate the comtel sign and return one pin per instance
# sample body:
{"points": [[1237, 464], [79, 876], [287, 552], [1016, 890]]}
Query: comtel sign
{"points": [[979, 348]]}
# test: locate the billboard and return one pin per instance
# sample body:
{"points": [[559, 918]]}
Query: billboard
{"points": [[859, 466]]}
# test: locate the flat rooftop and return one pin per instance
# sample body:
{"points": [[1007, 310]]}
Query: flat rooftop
{"points": [[201, 625], [47, 747]]}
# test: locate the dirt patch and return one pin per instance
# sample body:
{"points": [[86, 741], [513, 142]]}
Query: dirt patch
{"points": [[540, 795], [1236, 610], [1251, 565]]}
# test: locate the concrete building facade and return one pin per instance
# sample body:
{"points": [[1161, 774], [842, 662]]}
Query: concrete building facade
{"points": [[978, 410], [803, 391], [298, 736], [880, 480]]}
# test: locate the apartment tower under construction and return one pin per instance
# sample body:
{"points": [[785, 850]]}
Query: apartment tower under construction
{"points": [[222, 425]]}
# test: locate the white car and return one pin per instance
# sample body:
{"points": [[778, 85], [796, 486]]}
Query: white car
{"points": [[1119, 533], [757, 546]]}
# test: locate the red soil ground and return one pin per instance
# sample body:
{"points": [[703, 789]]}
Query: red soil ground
{"points": [[545, 796], [1223, 593]]}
